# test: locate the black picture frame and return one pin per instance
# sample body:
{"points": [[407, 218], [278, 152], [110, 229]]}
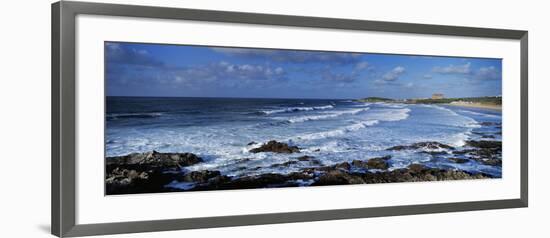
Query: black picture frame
{"points": [[63, 117]]}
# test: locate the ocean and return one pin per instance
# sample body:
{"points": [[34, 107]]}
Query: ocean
{"points": [[223, 130]]}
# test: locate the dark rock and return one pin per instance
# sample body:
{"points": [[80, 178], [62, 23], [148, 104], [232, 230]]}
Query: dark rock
{"points": [[374, 163], [400, 147], [200, 176], [377, 163], [488, 123], [414, 173], [251, 143], [300, 175], [145, 172], [342, 166], [486, 152], [316, 162], [385, 157], [430, 145], [338, 177], [400, 175], [305, 158], [485, 144], [458, 175], [125, 177], [276, 147], [333, 176], [435, 153], [488, 136], [247, 168], [258, 181], [140, 176], [417, 168], [360, 164], [124, 181], [418, 173], [492, 162], [458, 160], [155, 159], [462, 152], [311, 159], [217, 180], [285, 164]]}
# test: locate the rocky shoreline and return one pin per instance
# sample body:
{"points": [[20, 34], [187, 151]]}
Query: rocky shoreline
{"points": [[154, 172]]}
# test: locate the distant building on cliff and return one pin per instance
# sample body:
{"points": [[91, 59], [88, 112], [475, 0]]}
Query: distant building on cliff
{"points": [[437, 96]]}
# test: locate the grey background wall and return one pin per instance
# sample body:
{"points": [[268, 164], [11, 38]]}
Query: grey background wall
{"points": [[25, 117]]}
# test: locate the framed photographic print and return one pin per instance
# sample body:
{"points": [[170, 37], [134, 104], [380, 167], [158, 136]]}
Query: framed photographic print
{"points": [[290, 118]]}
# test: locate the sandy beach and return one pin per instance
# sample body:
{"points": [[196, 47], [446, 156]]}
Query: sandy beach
{"points": [[477, 105]]}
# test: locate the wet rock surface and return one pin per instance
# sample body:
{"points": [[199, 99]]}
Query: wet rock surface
{"points": [[155, 159], [429, 145], [305, 158], [484, 151], [344, 173], [162, 172], [276, 147], [374, 163], [459, 160], [144, 172]]}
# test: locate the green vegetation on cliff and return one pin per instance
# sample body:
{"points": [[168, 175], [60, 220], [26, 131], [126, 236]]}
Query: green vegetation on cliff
{"points": [[491, 100], [481, 100], [375, 99]]}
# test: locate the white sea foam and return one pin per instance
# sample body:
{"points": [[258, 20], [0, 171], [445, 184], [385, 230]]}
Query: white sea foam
{"points": [[460, 139], [397, 115], [311, 118], [337, 132], [392, 105], [296, 109], [480, 114], [332, 114], [467, 121], [393, 114]]}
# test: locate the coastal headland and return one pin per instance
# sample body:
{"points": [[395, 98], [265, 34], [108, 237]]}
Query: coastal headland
{"points": [[489, 102]]}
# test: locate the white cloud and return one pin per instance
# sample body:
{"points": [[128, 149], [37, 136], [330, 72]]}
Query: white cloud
{"points": [[483, 73], [453, 69], [487, 73], [112, 45], [292, 56], [361, 66], [227, 71], [394, 74]]}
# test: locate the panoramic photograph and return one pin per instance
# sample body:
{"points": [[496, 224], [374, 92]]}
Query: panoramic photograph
{"points": [[183, 118]]}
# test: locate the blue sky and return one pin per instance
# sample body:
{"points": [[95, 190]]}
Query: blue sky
{"points": [[134, 69]]}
